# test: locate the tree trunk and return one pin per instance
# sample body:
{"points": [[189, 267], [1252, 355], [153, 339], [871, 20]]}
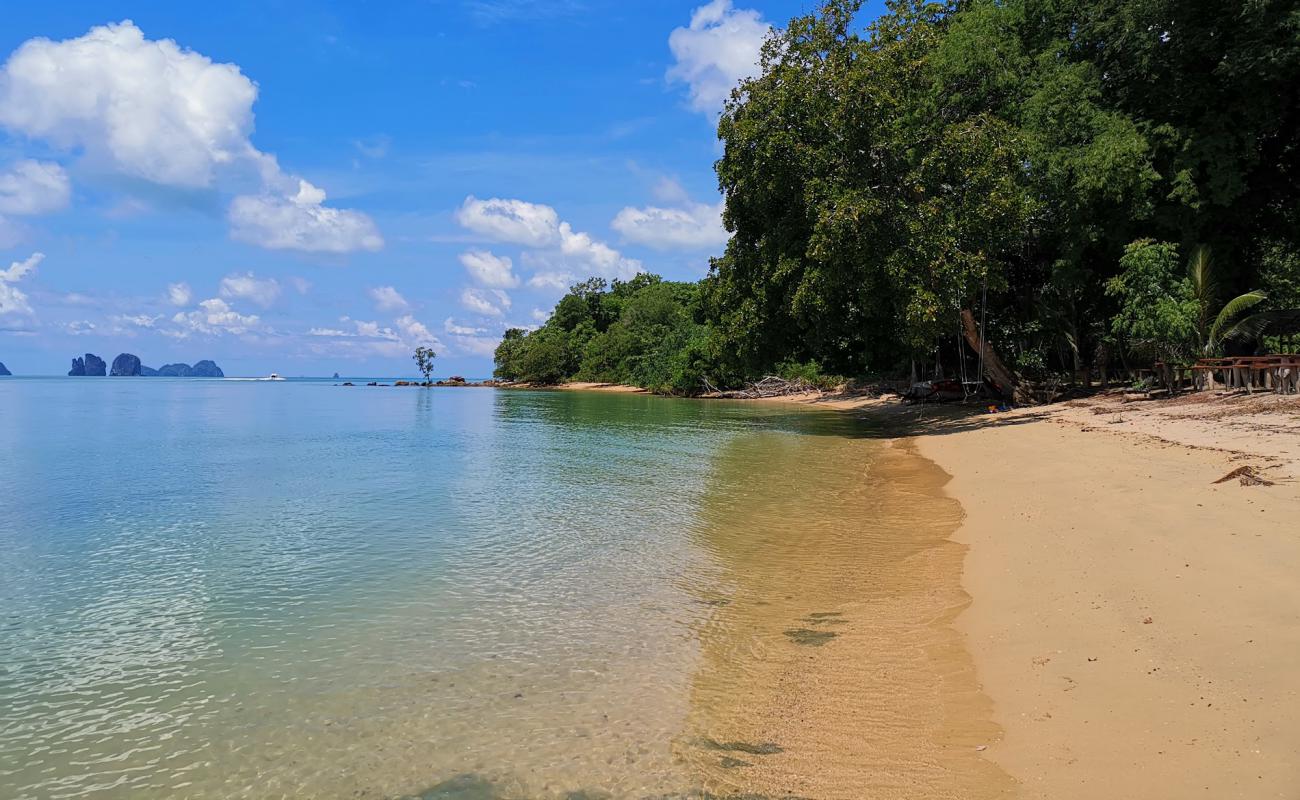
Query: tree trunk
{"points": [[1004, 382]]}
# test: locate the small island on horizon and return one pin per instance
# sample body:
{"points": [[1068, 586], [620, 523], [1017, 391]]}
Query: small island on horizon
{"points": [[128, 365]]}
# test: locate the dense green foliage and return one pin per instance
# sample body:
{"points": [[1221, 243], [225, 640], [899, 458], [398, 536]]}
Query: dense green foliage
{"points": [[644, 332], [1055, 156]]}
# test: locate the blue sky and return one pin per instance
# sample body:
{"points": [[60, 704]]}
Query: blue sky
{"points": [[308, 187]]}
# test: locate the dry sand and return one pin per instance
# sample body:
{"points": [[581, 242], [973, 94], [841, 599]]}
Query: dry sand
{"points": [[1134, 623]]}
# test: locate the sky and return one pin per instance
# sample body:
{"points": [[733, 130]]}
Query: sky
{"points": [[310, 187]]}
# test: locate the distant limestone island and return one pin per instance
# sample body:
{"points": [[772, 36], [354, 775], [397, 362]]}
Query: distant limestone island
{"points": [[128, 365], [4, 371]]}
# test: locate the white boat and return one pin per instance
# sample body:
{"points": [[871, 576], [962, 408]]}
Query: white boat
{"points": [[273, 377]]}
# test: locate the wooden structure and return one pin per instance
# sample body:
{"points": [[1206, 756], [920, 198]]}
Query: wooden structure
{"points": [[1278, 373]]}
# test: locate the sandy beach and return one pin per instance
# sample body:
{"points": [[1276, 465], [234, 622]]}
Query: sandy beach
{"points": [[1133, 618], [1134, 622]]}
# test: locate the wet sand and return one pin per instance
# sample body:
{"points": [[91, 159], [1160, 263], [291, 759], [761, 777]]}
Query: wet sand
{"points": [[1132, 622], [831, 667]]}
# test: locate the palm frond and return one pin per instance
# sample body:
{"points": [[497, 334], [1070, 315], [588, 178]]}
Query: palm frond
{"points": [[1200, 268], [1265, 323], [1234, 308]]}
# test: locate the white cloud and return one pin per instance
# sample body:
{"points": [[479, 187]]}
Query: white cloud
{"points": [[490, 270], [80, 327], [388, 299], [721, 47], [137, 320], [300, 285], [552, 280], [330, 332], [455, 329], [152, 110], [279, 221], [540, 316], [513, 221], [34, 187], [488, 302], [262, 291], [539, 227], [213, 318], [599, 256], [693, 226], [148, 108], [179, 294], [12, 299], [478, 345], [21, 269], [415, 332], [372, 337]]}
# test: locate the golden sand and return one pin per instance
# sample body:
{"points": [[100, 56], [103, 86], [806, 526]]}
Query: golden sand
{"points": [[831, 668]]}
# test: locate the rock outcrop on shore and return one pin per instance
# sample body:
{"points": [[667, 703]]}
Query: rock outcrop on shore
{"points": [[4, 370], [126, 366]]}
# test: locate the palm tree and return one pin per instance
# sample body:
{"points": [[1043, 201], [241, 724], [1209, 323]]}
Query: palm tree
{"points": [[1210, 334]]}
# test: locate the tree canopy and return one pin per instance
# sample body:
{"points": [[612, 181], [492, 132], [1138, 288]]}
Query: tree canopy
{"points": [[1045, 160]]}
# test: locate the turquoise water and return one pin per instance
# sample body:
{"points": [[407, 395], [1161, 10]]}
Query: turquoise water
{"points": [[242, 589]]}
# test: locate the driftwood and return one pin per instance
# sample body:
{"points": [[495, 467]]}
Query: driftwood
{"points": [[995, 372], [771, 386]]}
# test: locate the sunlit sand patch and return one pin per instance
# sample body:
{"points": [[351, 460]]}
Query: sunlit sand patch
{"points": [[837, 643]]}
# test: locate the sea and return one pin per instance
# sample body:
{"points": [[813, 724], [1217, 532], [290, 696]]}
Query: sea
{"points": [[297, 589]]}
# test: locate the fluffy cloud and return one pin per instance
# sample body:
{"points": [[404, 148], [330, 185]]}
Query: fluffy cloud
{"points": [[148, 108], [136, 320], [548, 279], [455, 329], [154, 111], [179, 294], [694, 226], [513, 221], [80, 327], [262, 291], [488, 302], [372, 337], [301, 221], [490, 270], [605, 260], [721, 47], [213, 318], [388, 299], [33, 187], [12, 299], [415, 332], [539, 227]]}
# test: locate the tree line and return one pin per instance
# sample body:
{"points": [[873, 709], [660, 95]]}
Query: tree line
{"points": [[1098, 181]]}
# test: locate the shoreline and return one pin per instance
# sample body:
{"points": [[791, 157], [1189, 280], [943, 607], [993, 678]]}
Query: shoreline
{"points": [[1131, 619]]}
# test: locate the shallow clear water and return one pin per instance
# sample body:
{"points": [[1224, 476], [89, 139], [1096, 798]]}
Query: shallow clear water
{"points": [[241, 589]]}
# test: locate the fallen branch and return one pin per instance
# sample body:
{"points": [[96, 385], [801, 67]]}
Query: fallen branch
{"points": [[772, 386]]}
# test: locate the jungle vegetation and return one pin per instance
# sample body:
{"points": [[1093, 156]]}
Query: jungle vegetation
{"points": [[1101, 181]]}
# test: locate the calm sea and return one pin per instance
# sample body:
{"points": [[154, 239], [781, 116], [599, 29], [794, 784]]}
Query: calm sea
{"points": [[223, 589]]}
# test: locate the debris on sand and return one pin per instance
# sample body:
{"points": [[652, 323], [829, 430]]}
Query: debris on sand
{"points": [[1248, 475]]}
